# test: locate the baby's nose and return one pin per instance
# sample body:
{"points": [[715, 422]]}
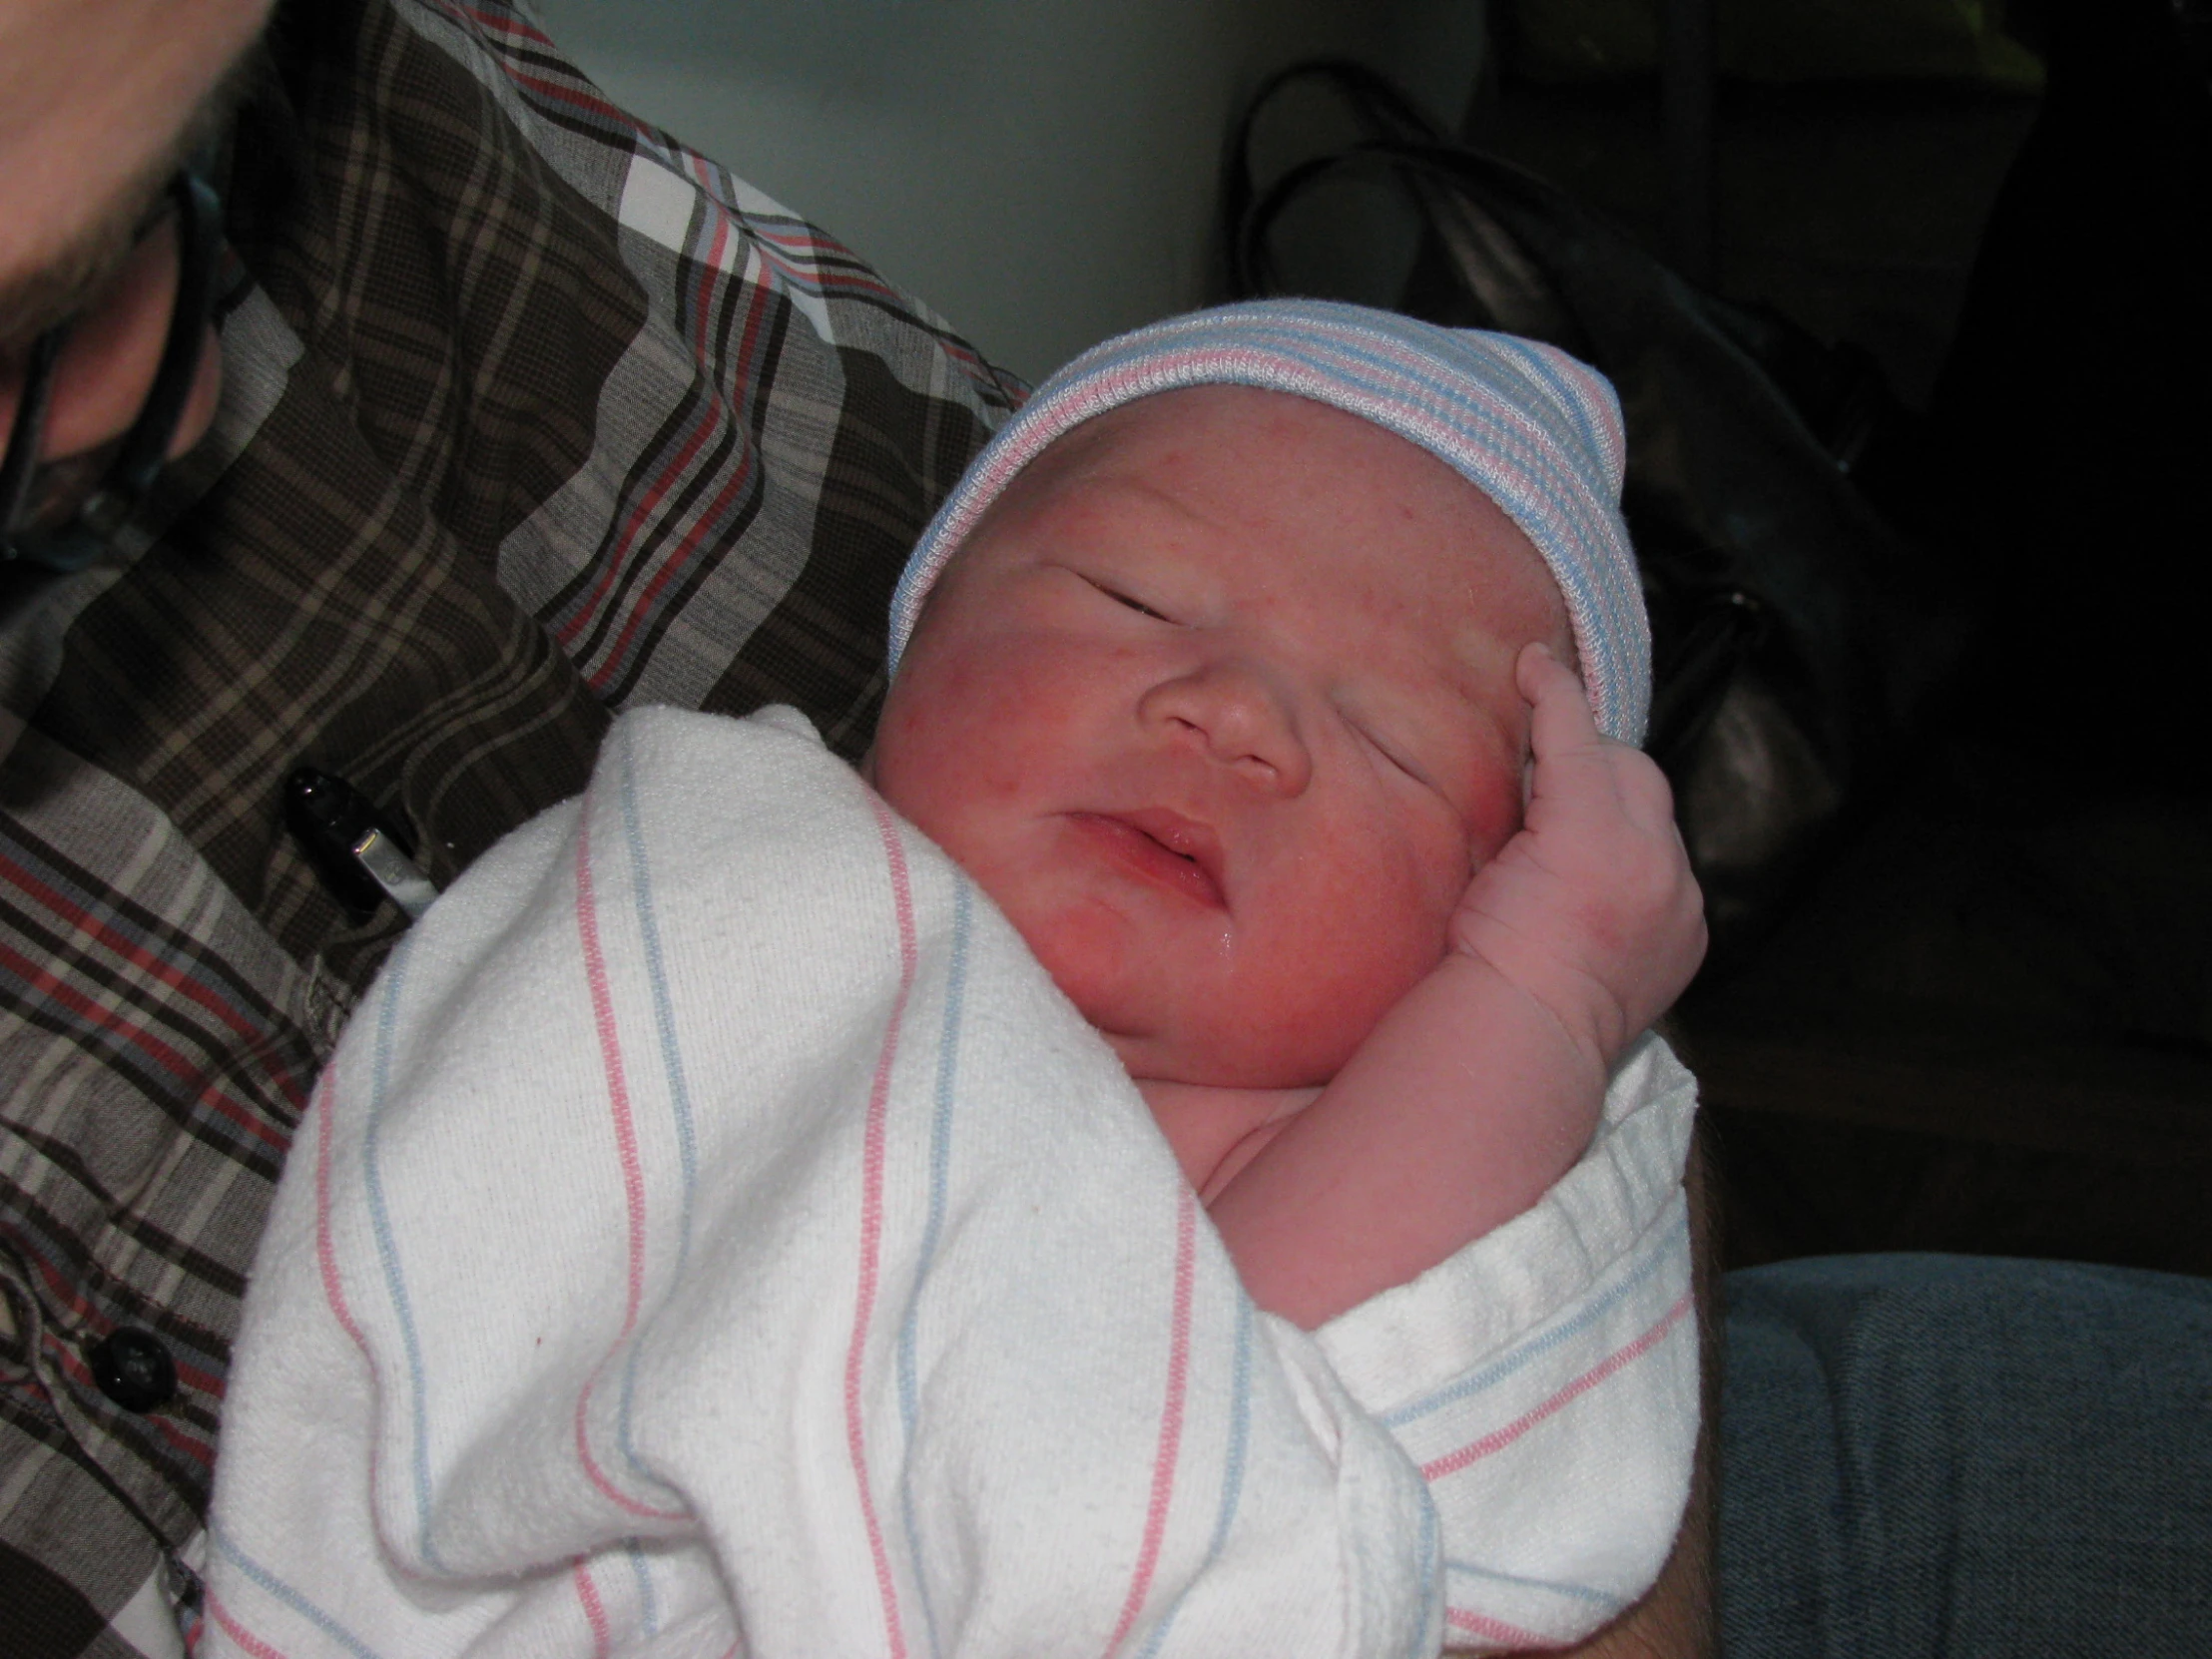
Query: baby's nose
{"points": [[1240, 719]]}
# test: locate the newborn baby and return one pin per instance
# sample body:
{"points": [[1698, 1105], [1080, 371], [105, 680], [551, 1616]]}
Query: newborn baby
{"points": [[721, 1229], [1223, 702]]}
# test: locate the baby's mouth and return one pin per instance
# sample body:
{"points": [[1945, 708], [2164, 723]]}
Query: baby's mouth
{"points": [[1161, 846]]}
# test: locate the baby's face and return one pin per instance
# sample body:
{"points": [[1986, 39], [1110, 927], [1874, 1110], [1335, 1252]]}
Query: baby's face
{"points": [[1216, 703]]}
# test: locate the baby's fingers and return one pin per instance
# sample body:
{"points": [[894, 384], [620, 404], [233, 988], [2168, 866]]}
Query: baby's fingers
{"points": [[1571, 754], [1559, 720], [1643, 791]]}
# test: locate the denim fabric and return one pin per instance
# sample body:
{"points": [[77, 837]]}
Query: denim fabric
{"points": [[1964, 1456]]}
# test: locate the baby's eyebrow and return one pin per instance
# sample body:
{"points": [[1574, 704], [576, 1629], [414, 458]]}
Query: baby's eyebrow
{"points": [[1137, 491]]}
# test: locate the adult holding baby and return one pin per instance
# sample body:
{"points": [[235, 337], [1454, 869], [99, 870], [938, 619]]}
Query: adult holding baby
{"points": [[527, 415]]}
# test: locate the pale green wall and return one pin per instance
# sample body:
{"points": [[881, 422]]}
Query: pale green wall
{"points": [[1043, 172]]}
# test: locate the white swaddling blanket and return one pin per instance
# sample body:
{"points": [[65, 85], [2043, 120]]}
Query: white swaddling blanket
{"points": [[715, 1234]]}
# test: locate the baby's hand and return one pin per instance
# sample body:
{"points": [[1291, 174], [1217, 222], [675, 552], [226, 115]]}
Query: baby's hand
{"points": [[1591, 910]]}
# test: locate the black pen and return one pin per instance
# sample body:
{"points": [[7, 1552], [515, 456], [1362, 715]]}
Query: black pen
{"points": [[362, 856]]}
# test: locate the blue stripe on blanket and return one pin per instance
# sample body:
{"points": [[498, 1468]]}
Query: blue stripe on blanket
{"points": [[387, 1249], [941, 1174], [1655, 1258], [279, 1591], [1233, 1465], [672, 1063]]}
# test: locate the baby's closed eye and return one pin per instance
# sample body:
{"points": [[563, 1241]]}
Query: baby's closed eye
{"points": [[1121, 596], [1393, 753]]}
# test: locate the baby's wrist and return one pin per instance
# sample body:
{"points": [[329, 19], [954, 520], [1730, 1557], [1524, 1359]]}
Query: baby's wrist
{"points": [[1581, 1015]]}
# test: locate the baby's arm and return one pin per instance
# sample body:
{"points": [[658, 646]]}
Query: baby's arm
{"points": [[1483, 1085]]}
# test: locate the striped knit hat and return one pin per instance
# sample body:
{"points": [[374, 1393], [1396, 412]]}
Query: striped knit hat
{"points": [[1536, 432]]}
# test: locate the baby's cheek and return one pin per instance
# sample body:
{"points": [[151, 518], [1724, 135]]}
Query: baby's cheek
{"points": [[1085, 947], [1312, 1001], [953, 731], [1495, 810]]}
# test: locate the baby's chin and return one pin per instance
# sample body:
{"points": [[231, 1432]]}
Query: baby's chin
{"points": [[1176, 1013], [1246, 1042]]}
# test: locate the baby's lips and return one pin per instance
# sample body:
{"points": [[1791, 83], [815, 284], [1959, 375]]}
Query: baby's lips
{"points": [[1187, 837], [1175, 851]]}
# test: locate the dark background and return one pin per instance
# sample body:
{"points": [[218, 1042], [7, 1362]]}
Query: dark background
{"points": [[1983, 1020]]}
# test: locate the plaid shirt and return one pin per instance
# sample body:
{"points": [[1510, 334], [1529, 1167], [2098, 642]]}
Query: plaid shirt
{"points": [[530, 414]]}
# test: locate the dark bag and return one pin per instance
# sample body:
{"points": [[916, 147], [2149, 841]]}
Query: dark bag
{"points": [[1759, 556]]}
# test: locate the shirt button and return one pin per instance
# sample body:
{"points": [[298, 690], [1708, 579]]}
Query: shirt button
{"points": [[134, 1369]]}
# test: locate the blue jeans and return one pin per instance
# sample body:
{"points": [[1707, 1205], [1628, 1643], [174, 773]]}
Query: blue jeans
{"points": [[1964, 1456]]}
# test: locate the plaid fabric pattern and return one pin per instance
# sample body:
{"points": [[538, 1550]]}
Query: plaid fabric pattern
{"points": [[530, 414]]}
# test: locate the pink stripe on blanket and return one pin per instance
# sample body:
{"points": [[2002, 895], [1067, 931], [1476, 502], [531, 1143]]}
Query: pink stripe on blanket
{"points": [[872, 1217], [238, 1633], [326, 1252], [595, 1610], [1493, 1630], [1170, 1415], [626, 1150], [1611, 1366]]}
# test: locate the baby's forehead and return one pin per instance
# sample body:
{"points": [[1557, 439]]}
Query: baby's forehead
{"points": [[1223, 449]]}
